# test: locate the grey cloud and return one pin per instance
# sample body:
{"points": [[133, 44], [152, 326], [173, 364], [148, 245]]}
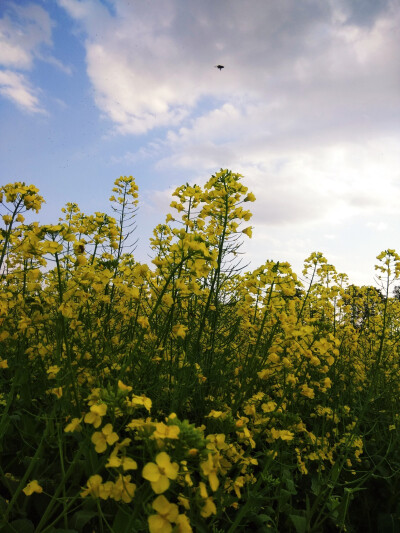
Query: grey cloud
{"points": [[365, 12], [153, 67], [363, 200], [305, 86]]}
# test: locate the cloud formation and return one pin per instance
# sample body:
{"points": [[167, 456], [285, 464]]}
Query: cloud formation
{"points": [[307, 106], [16, 87], [25, 36], [319, 60], [23, 32]]}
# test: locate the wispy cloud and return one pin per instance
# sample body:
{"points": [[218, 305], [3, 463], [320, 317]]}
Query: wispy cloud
{"points": [[16, 87], [25, 36], [23, 32]]}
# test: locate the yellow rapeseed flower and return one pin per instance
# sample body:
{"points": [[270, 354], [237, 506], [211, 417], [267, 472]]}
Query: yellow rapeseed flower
{"points": [[217, 442], [250, 197], [307, 391], [183, 524], [93, 486], [123, 489], [282, 434], [52, 371], [124, 387], [96, 413], [160, 472], [274, 358], [209, 507], [140, 400], [168, 300], [185, 502], [101, 438], [167, 513], [268, 407], [66, 310], [179, 331], [32, 486], [215, 414], [143, 321], [210, 469], [127, 463], [237, 485], [163, 431], [248, 231], [57, 391], [74, 425]]}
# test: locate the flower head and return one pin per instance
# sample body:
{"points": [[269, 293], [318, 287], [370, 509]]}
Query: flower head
{"points": [[210, 469], [93, 486], [127, 463], [123, 489], [163, 431], [32, 486], [74, 425], [97, 411], [166, 514], [183, 524], [209, 507], [160, 472], [101, 438]]}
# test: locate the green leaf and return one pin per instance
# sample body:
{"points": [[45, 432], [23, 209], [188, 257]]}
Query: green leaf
{"points": [[81, 518], [259, 520], [284, 496], [299, 523], [290, 484], [335, 472], [315, 486]]}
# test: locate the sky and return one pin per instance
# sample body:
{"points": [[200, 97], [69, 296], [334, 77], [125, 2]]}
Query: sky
{"points": [[307, 109]]}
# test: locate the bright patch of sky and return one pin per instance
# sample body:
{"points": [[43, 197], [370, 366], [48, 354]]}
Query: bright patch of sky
{"points": [[307, 108]]}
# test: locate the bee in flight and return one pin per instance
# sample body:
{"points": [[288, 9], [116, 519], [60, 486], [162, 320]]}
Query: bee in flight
{"points": [[219, 67]]}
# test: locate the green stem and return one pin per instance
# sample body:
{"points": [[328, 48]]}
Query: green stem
{"points": [[25, 477]]}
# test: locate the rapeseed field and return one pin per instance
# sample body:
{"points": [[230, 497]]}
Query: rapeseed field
{"points": [[190, 394]]}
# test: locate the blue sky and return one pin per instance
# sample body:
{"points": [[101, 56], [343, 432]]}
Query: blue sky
{"points": [[307, 108]]}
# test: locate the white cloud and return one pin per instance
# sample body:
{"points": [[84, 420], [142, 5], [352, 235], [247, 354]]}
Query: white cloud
{"points": [[23, 32], [154, 67], [17, 88], [25, 36], [307, 107], [315, 181], [134, 103]]}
